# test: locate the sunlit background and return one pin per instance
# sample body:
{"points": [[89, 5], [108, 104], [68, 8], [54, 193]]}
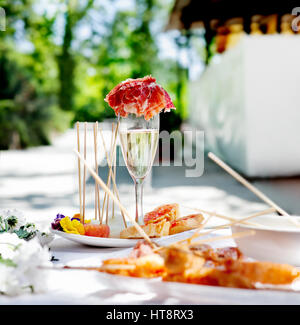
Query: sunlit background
{"points": [[60, 58]]}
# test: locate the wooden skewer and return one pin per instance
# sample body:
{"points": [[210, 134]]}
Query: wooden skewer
{"points": [[114, 171], [107, 156], [208, 240], [104, 199], [96, 203], [113, 175], [84, 171], [113, 197], [238, 221], [98, 191], [117, 267], [97, 196], [243, 181], [250, 187], [235, 235], [79, 170], [222, 216], [112, 148], [112, 143], [195, 234], [91, 268]]}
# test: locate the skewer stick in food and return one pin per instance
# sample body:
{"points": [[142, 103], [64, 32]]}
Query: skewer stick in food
{"points": [[113, 175], [112, 147], [95, 150], [110, 166], [112, 156], [207, 240], [235, 222], [250, 187], [97, 195], [107, 180], [84, 171], [235, 235], [116, 200], [98, 190], [101, 268], [79, 169], [221, 216], [195, 234]]}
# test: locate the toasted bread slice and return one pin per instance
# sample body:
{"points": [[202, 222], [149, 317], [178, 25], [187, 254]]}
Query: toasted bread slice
{"points": [[186, 223], [168, 212], [153, 230]]}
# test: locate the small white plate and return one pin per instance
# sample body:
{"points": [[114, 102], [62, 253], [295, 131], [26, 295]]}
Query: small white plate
{"points": [[277, 240], [118, 242], [96, 241]]}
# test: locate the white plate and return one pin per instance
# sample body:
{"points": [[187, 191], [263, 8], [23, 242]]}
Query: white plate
{"points": [[102, 288], [278, 240], [117, 242], [186, 293], [96, 241]]}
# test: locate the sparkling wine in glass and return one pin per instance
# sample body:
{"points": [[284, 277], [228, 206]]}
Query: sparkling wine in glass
{"points": [[139, 139]]}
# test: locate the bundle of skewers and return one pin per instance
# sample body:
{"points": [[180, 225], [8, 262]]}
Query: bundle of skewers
{"points": [[103, 211], [104, 208]]}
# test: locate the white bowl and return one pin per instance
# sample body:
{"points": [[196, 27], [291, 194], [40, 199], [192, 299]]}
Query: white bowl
{"points": [[278, 240]]}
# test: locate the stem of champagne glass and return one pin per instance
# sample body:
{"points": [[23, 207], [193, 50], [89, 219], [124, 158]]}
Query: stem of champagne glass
{"points": [[138, 183]]}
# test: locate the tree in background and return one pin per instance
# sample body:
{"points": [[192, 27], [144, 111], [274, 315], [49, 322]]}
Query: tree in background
{"points": [[66, 59], [25, 117], [27, 111], [141, 41], [63, 77], [128, 49]]}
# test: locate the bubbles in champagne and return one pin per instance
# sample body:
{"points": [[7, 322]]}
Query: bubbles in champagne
{"points": [[139, 148]]}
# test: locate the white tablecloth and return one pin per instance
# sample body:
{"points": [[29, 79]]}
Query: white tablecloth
{"points": [[69, 287]]}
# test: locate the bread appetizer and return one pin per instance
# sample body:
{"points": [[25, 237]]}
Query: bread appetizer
{"points": [[153, 230], [190, 222], [163, 221]]}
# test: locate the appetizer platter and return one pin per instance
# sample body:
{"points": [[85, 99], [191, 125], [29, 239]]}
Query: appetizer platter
{"points": [[201, 264], [163, 222]]}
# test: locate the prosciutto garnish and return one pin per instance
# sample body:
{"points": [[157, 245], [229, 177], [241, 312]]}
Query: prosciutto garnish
{"points": [[142, 96]]}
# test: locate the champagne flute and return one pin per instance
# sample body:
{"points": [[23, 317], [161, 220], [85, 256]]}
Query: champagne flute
{"points": [[139, 139]]}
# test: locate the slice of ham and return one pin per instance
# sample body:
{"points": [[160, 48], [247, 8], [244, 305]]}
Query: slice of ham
{"points": [[142, 96]]}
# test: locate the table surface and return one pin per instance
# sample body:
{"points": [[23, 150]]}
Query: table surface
{"points": [[67, 287]]}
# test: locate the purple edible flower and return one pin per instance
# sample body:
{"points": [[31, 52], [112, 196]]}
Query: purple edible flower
{"points": [[56, 223], [59, 216]]}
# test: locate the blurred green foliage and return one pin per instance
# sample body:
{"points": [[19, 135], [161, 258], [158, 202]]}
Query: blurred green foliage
{"points": [[26, 116], [52, 76]]}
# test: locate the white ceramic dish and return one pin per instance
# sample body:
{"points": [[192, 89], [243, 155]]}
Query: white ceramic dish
{"points": [[117, 242], [96, 241], [101, 288], [278, 240]]}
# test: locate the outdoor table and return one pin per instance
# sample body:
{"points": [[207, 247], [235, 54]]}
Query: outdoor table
{"points": [[85, 287]]}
